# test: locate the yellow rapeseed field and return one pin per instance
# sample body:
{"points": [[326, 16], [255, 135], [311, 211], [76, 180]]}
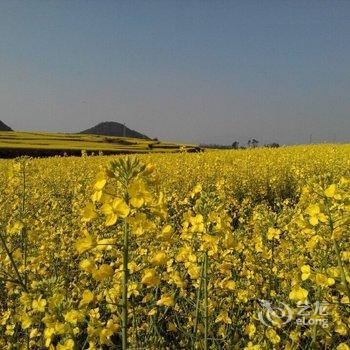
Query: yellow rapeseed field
{"points": [[245, 249]]}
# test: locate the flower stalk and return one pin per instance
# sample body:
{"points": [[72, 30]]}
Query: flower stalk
{"points": [[205, 296], [125, 288]]}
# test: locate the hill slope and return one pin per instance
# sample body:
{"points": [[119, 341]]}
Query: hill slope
{"points": [[114, 129], [41, 144], [4, 127]]}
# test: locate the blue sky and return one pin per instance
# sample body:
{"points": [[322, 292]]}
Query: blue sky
{"points": [[193, 71]]}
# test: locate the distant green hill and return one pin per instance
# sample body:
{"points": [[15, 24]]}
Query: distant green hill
{"points": [[114, 129], [4, 127]]}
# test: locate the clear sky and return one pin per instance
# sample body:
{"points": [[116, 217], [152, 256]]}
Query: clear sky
{"points": [[194, 71]]}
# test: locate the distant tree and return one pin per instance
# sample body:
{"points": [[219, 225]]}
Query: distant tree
{"points": [[253, 143], [235, 144], [273, 145]]}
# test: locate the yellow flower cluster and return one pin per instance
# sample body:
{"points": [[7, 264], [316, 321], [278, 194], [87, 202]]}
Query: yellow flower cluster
{"points": [[182, 251]]}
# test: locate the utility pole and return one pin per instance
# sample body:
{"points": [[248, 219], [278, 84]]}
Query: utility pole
{"points": [[124, 130]]}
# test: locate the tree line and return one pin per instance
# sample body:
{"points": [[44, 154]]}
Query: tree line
{"points": [[252, 143]]}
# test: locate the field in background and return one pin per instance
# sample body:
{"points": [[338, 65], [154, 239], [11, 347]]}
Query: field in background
{"points": [[223, 250], [14, 144]]}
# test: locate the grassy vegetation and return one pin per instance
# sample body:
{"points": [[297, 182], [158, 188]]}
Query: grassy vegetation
{"points": [[14, 144]]}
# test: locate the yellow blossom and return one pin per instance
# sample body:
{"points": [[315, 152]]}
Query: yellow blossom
{"points": [[39, 305], [150, 278], [117, 209], [89, 213], [68, 345], [103, 272], [87, 297], [166, 300], [223, 317], [273, 233], [84, 244], [250, 330], [330, 191], [323, 281], [298, 293], [159, 259], [273, 336], [138, 193], [73, 316], [306, 271]]}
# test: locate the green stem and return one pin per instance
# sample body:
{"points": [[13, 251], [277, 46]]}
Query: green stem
{"points": [[25, 254], [341, 267], [24, 188], [338, 252], [206, 326], [197, 307], [13, 263], [271, 267], [24, 231], [136, 331], [24, 237], [314, 332], [125, 289]]}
